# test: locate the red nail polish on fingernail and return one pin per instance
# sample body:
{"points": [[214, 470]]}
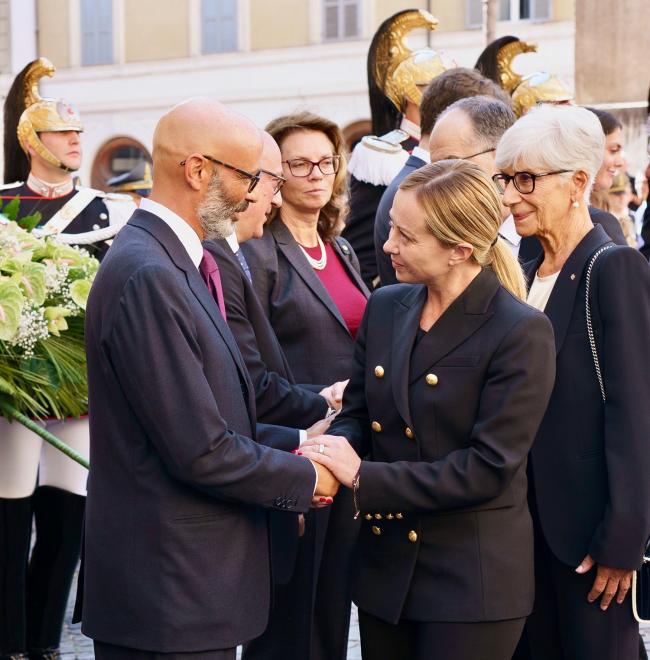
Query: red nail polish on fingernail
{"points": [[299, 453], [322, 499], [329, 500]]}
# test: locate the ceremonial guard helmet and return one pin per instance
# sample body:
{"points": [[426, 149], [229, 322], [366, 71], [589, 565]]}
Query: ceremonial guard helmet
{"points": [[27, 113], [395, 72], [495, 62]]}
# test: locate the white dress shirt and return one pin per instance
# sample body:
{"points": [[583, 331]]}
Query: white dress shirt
{"points": [[233, 242], [540, 290], [184, 232], [421, 153]]}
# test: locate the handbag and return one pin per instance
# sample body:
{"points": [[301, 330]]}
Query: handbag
{"points": [[640, 578]]}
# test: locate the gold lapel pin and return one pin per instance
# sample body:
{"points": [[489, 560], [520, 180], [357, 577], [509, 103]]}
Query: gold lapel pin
{"points": [[573, 276]]}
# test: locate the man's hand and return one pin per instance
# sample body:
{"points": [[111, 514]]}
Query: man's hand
{"points": [[319, 427], [608, 582], [335, 453], [327, 485], [334, 394]]}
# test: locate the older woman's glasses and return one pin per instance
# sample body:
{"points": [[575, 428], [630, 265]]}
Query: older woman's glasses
{"points": [[253, 179], [278, 181], [300, 167], [524, 181]]}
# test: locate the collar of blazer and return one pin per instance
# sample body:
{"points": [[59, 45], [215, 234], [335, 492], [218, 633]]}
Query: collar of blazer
{"points": [[461, 319], [177, 253], [289, 247], [560, 305]]}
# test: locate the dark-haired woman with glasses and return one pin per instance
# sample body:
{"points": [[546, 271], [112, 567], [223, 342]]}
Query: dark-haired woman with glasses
{"points": [[308, 280], [589, 491]]}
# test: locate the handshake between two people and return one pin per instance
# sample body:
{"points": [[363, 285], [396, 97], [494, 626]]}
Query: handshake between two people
{"points": [[336, 463]]}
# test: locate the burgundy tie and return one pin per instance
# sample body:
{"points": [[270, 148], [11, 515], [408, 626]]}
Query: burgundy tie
{"points": [[210, 273]]}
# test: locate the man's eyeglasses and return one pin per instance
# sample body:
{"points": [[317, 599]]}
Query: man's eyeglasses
{"points": [[524, 181], [254, 179], [479, 153], [279, 181], [300, 167]]}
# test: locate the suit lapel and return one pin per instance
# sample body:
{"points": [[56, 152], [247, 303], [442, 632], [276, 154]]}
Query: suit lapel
{"points": [[290, 249], [561, 302], [177, 253], [459, 321], [406, 321]]}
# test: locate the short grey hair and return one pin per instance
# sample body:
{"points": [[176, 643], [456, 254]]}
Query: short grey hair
{"points": [[490, 118], [554, 137]]}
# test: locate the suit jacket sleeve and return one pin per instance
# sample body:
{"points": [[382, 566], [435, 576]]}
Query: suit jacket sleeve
{"points": [[156, 356], [279, 437], [623, 299], [278, 401], [511, 405]]}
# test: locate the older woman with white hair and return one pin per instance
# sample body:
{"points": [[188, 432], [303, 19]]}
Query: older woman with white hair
{"points": [[589, 492]]}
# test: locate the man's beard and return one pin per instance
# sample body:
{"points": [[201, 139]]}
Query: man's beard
{"points": [[216, 211]]}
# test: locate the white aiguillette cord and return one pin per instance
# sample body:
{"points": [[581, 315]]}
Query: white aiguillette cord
{"points": [[318, 264]]}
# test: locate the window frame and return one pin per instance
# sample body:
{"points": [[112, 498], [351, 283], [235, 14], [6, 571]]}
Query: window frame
{"points": [[340, 6]]}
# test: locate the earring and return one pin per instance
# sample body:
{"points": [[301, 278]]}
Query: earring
{"points": [[575, 205]]}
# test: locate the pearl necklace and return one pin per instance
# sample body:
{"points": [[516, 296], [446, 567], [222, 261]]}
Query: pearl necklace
{"points": [[318, 264]]}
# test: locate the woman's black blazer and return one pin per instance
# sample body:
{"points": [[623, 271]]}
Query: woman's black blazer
{"points": [[307, 323], [448, 425], [591, 461]]}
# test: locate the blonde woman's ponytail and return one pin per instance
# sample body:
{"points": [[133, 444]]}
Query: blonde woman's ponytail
{"points": [[507, 269]]}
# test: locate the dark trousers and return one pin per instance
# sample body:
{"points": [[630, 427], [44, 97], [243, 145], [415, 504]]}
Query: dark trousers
{"points": [[310, 615], [433, 640], [33, 599], [564, 626], [105, 651]]}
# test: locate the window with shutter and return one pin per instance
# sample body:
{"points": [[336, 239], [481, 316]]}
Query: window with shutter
{"points": [[219, 27], [96, 32], [341, 19]]}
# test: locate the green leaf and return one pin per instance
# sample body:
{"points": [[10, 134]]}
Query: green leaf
{"points": [[11, 304], [10, 209], [28, 222], [79, 291], [31, 279]]}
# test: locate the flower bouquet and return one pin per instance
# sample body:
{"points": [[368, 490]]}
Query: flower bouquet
{"points": [[44, 286]]}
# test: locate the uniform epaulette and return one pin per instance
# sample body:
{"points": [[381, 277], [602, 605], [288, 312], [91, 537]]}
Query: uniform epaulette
{"points": [[378, 160], [118, 197], [7, 186]]}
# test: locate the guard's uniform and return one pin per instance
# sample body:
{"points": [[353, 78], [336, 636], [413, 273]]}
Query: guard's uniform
{"points": [[37, 482]]}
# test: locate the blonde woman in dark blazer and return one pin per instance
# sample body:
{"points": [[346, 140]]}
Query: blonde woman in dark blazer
{"points": [[451, 376], [307, 278]]}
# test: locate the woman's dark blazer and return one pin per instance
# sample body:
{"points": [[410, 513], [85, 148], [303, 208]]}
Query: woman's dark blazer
{"points": [[446, 532], [309, 326], [591, 462]]}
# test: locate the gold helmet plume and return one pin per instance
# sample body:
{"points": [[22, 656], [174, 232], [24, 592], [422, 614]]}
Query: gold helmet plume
{"points": [[398, 69], [43, 114], [508, 78], [395, 71]]}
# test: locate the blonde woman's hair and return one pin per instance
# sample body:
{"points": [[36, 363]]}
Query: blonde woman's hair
{"points": [[332, 215], [461, 205]]}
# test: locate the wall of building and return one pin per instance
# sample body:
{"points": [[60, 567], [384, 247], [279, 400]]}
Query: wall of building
{"points": [[53, 19], [266, 31], [613, 49], [156, 30]]}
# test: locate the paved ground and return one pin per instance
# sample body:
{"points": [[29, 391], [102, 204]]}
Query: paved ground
{"points": [[75, 646]]}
